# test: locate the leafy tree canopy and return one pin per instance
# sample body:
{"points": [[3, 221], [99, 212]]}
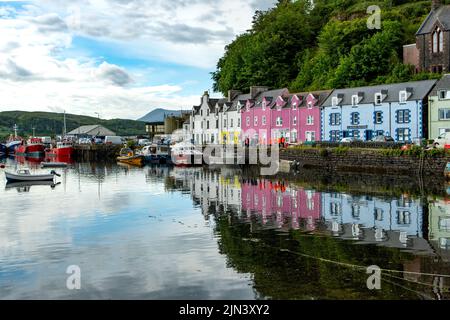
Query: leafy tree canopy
{"points": [[322, 44]]}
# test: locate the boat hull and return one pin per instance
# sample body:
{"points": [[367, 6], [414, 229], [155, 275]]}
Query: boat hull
{"points": [[31, 151], [66, 152], [12, 146], [134, 160], [10, 177]]}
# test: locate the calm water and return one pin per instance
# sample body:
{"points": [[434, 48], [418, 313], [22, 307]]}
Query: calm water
{"points": [[160, 233]]}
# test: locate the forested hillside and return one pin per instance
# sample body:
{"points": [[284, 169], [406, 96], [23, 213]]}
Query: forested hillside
{"points": [[51, 124], [305, 46]]}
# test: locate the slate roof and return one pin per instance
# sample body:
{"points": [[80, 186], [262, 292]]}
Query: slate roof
{"points": [[92, 130], [420, 89], [442, 14], [321, 96], [443, 84], [159, 115]]}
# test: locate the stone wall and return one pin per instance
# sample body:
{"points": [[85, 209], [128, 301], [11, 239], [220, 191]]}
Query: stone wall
{"points": [[366, 161]]}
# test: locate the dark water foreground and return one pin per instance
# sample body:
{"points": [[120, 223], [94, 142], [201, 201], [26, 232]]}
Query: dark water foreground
{"points": [[160, 233]]}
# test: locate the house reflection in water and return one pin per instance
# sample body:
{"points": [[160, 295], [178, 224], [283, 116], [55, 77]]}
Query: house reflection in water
{"points": [[395, 222], [439, 226]]}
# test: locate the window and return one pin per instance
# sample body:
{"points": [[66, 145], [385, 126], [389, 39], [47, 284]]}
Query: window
{"points": [[335, 119], [378, 214], [264, 105], [378, 117], [294, 105], [247, 120], [356, 134], [438, 41], [378, 99], [444, 114], [217, 124], [310, 136], [334, 101], [310, 120], [403, 96], [356, 211], [225, 123], [355, 100], [231, 123], [279, 121], [294, 136], [403, 217], [255, 121], [335, 208], [239, 122], [335, 135], [294, 122], [207, 112], [403, 135], [403, 116], [310, 105], [444, 224], [355, 118], [442, 94], [207, 124], [264, 120]]}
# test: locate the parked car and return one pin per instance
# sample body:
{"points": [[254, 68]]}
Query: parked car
{"points": [[114, 140], [383, 139], [84, 141], [442, 141], [350, 140]]}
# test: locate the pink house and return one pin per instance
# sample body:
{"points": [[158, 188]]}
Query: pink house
{"points": [[257, 116]]}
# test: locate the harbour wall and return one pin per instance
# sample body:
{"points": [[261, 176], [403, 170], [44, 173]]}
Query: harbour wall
{"points": [[372, 161]]}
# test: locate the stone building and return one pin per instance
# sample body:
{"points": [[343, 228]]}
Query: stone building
{"points": [[431, 52]]}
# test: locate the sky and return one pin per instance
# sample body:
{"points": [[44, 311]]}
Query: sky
{"points": [[116, 58]]}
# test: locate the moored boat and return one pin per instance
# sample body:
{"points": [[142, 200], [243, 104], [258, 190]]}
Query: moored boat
{"points": [[24, 175], [186, 155], [157, 154], [54, 165], [13, 142], [63, 149], [127, 156], [3, 149], [33, 148]]}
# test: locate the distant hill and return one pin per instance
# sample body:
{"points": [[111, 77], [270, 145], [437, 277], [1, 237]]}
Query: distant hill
{"points": [[51, 124], [159, 114]]}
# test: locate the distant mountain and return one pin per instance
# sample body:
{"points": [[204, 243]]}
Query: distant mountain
{"points": [[158, 115], [51, 124]]}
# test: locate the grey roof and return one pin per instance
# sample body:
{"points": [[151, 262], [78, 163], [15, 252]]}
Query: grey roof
{"points": [[91, 130], [419, 90], [443, 84], [442, 14]]}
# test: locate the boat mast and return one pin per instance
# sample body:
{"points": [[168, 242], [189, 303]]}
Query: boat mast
{"points": [[15, 130], [65, 128]]}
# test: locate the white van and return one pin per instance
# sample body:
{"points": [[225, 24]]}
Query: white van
{"points": [[443, 140], [114, 140]]}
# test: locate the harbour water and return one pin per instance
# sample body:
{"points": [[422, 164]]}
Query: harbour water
{"points": [[172, 233]]}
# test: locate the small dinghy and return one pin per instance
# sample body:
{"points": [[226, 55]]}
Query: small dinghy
{"points": [[54, 165], [25, 175]]}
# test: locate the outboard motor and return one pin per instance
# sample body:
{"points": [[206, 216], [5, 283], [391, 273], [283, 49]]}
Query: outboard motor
{"points": [[53, 172]]}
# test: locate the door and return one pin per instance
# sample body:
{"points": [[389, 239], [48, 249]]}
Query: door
{"points": [[369, 135]]}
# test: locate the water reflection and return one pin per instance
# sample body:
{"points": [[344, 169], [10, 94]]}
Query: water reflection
{"points": [[158, 232]]}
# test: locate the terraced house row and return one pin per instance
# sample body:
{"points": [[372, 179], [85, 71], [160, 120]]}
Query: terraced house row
{"points": [[404, 111]]}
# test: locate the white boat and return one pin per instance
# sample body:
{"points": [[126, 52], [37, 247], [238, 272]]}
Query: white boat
{"points": [[25, 175], [185, 154], [54, 165]]}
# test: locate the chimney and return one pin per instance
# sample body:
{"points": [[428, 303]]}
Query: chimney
{"points": [[435, 4], [232, 94], [254, 91]]}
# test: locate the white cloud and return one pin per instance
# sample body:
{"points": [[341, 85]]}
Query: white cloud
{"points": [[37, 74]]}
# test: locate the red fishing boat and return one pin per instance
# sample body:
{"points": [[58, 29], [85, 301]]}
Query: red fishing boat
{"points": [[63, 149], [33, 148]]}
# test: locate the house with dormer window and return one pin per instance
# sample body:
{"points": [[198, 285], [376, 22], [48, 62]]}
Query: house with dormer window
{"points": [[397, 110], [439, 109]]}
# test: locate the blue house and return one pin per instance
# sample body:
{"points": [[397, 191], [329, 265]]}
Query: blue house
{"points": [[397, 110]]}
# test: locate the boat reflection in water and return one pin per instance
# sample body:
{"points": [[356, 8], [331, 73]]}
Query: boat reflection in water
{"points": [[26, 186]]}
